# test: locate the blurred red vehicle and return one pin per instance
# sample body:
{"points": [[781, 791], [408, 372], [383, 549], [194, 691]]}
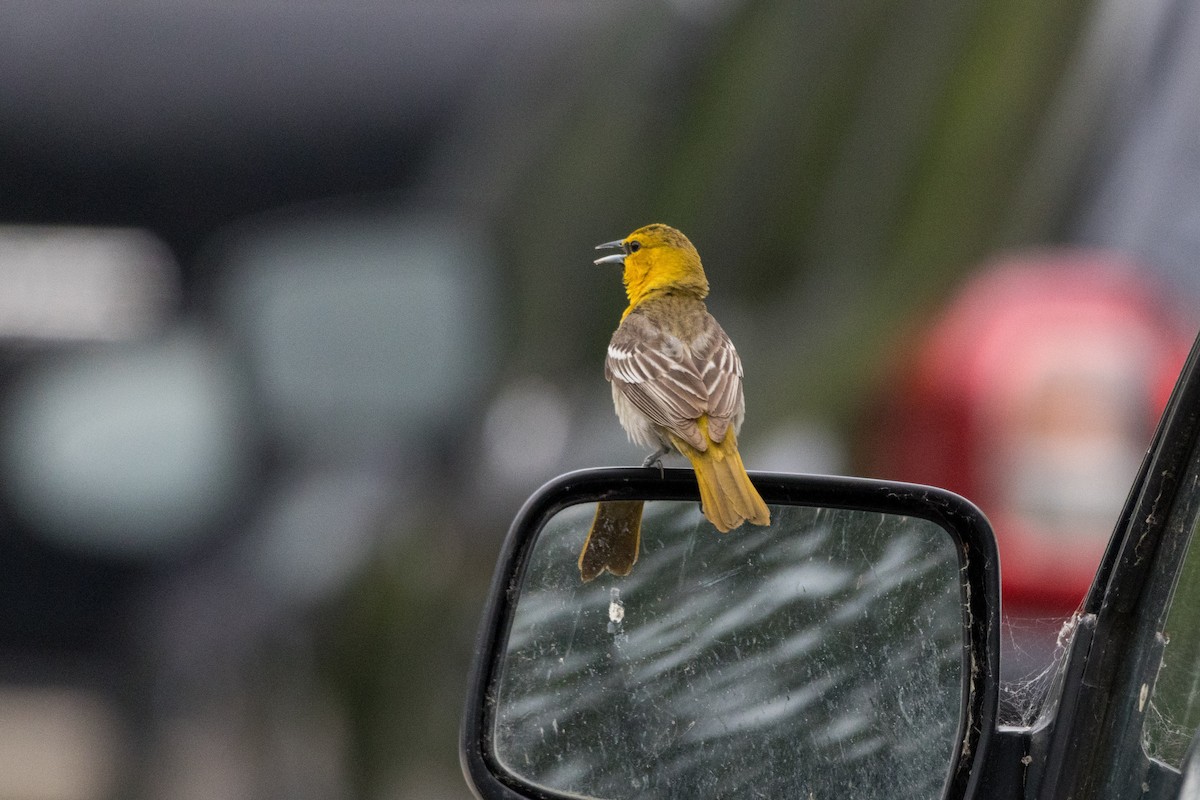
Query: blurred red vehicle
{"points": [[1036, 394]]}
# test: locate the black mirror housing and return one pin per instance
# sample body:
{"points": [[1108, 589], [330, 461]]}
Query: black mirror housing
{"points": [[976, 579]]}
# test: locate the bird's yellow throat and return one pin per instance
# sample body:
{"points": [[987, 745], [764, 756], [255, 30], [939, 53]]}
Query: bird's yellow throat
{"points": [[660, 260]]}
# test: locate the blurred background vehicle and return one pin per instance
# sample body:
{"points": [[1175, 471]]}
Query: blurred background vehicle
{"points": [[297, 305], [1035, 394]]}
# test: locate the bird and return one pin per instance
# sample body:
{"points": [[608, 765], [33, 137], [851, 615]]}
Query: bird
{"points": [[677, 379]]}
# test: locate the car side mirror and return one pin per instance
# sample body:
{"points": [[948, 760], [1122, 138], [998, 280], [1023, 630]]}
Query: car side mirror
{"points": [[848, 649]]}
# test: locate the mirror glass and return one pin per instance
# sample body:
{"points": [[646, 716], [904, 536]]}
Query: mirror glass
{"points": [[821, 656]]}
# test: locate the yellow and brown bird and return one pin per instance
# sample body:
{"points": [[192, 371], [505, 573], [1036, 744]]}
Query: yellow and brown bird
{"points": [[677, 385]]}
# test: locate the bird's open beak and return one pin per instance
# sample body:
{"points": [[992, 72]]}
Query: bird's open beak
{"points": [[616, 258]]}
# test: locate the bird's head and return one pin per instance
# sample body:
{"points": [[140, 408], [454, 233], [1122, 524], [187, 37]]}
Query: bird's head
{"points": [[657, 259]]}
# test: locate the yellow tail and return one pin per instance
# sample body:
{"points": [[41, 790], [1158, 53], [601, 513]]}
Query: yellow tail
{"points": [[727, 497]]}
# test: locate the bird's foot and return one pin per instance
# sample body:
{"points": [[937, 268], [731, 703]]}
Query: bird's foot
{"points": [[655, 460]]}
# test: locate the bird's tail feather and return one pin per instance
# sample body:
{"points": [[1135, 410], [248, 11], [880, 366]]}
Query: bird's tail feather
{"points": [[614, 539], [727, 497]]}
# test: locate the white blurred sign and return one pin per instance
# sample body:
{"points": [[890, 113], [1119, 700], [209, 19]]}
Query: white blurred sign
{"points": [[80, 284]]}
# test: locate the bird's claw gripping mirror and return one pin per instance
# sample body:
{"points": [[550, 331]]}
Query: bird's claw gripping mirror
{"points": [[848, 649]]}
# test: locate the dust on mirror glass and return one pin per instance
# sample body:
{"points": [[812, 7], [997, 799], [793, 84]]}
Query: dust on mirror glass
{"points": [[819, 657]]}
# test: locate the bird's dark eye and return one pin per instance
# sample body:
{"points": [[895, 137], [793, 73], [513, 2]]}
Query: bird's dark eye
{"points": [[634, 246]]}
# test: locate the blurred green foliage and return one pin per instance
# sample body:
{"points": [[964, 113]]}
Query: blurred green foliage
{"points": [[839, 166], [395, 654]]}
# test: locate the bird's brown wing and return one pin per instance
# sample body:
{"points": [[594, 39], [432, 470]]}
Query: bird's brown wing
{"points": [[653, 370], [720, 370]]}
